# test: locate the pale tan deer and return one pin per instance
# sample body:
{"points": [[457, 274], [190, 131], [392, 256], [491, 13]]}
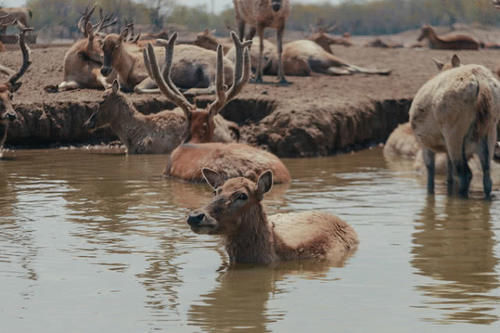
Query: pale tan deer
{"points": [[261, 14], [22, 15], [302, 57], [207, 40], [7, 89], [158, 133], [231, 159], [457, 112], [194, 67], [83, 60], [448, 42], [236, 213]]}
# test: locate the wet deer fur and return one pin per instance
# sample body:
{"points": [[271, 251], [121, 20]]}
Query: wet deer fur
{"points": [[250, 236], [457, 112], [230, 159]]}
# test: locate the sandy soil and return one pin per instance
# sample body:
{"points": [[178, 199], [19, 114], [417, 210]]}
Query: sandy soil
{"points": [[316, 115]]}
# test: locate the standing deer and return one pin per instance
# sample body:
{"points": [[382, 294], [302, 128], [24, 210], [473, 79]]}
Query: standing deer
{"points": [[7, 89], [302, 57], [261, 14], [198, 151], [194, 67], [83, 60], [449, 42], [457, 112], [237, 214], [158, 133]]}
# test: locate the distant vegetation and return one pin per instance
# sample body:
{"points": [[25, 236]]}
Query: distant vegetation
{"points": [[354, 16]]}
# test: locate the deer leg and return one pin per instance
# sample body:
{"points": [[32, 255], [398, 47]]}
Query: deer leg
{"points": [[485, 152], [258, 78], [251, 34], [241, 29], [429, 160], [281, 74], [147, 86], [456, 152], [68, 85], [450, 181]]}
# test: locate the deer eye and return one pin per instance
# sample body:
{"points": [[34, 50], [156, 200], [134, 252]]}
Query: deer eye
{"points": [[11, 97], [242, 196]]}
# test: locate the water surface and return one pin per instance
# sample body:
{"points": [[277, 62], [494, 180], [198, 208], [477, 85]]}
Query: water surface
{"points": [[98, 243]]}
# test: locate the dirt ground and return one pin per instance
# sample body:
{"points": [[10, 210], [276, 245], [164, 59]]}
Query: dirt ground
{"points": [[316, 115]]}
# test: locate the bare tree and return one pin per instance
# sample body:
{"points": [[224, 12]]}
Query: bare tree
{"points": [[159, 10]]}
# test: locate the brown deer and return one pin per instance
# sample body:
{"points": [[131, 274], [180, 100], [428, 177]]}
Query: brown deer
{"points": [[261, 14], [237, 214], [7, 89], [302, 57], [457, 112], [207, 40], [269, 60], [194, 67], [158, 133], [22, 15], [83, 60], [449, 42], [198, 151], [321, 36]]}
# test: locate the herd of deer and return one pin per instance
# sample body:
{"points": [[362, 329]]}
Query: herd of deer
{"points": [[456, 112]]}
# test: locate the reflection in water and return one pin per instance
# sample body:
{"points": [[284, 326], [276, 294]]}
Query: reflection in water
{"points": [[239, 302], [454, 246]]}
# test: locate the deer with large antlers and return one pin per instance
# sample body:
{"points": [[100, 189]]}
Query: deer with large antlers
{"points": [[449, 42], [193, 66], [457, 112], [21, 15], [158, 133], [83, 60], [198, 151], [250, 236], [7, 89], [261, 14]]}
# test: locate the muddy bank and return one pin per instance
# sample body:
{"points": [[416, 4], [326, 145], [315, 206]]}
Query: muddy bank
{"points": [[317, 115]]}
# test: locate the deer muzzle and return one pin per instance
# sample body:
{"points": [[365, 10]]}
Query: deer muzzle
{"points": [[276, 5], [106, 70]]}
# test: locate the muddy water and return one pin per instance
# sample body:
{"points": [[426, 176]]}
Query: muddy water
{"points": [[98, 243]]}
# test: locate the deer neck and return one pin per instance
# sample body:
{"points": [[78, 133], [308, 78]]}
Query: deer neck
{"points": [[126, 65], [253, 242], [125, 117], [434, 39]]}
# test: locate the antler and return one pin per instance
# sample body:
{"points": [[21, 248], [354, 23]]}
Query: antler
{"points": [[240, 76], [164, 81], [105, 21], [84, 20], [26, 55], [4, 20]]}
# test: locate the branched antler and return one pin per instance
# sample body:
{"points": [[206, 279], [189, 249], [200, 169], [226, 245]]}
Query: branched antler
{"points": [[105, 21], [26, 56], [84, 20], [6, 20]]}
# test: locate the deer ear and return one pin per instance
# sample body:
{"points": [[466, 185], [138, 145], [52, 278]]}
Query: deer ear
{"points": [[213, 178], [265, 182], [124, 34], [115, 86], [455, 61], [438, 63]]}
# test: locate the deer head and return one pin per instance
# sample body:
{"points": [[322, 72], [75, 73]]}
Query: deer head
{"points": [[425, 31], [111, 47], [232, 199], [206, 40], [200, 121], [7, 89], [112, 106]]}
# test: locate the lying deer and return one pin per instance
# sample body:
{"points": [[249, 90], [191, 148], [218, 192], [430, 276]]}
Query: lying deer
{"points": [[233, 159], [83, 60], [457, 112], [194, 67], [260, 14], [449, 42], [158, 133], [320, 35], [7, 89], [302, 57], [236, 213]]}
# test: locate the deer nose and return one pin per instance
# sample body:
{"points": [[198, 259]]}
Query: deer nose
{"points": [[105, 71], [195, 219], [276, 6]]}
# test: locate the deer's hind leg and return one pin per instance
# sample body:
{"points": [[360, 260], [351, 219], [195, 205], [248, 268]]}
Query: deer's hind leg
{"points": [[281, 73], [456, 147], [430, 164], [486, 151]]}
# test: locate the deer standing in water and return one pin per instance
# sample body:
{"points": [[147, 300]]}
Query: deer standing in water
{"points": [[236, 213], [198, 151], [450, 42], [261, 14], [457, 112], [158, 133], [83, 60], [7, 89]]}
